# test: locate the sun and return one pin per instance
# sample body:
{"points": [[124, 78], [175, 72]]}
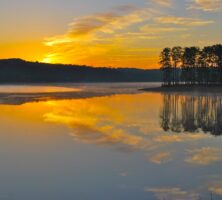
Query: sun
{"points": [[50, 58], [46, 60]]}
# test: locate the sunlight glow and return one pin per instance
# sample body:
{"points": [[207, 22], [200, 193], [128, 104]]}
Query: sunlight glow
{"points": [[119, 36]]}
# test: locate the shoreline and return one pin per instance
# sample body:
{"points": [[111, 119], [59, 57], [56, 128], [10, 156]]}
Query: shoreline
{"points": [[186, 88], [21, 98]]}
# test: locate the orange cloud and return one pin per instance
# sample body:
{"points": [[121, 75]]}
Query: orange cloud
{"points": [[185, 21], [124, 37], [88, 27], [158, 29], [103, 39], [206, 5], [165, 3]]}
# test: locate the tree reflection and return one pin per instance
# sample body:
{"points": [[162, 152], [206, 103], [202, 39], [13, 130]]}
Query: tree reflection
{"points": [[190, 113]]}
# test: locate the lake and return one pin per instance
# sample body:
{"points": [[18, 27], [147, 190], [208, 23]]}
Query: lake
{"points": [[118, 143]]}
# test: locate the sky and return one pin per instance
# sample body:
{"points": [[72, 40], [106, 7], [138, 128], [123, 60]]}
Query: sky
{"points": [[117, 33]]}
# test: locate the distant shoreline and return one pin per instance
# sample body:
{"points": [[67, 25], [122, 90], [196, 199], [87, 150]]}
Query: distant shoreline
{"points": [[17, 71], [186, 88]]}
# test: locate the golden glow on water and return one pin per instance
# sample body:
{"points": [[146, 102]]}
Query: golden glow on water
{"points": [[35, 89], [106, 120], [126, 124]]}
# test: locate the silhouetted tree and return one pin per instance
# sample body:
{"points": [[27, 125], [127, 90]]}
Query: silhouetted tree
{"points": [[217, 51], [191, 65], [166, 66], [177, 54]]}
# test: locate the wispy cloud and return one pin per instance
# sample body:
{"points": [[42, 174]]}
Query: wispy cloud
{"points": [[89, 26], [158, 29], [108, 38], [184, 21], [97, 38], [165, 3], [206, 5]]}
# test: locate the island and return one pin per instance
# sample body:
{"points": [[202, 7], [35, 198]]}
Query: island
{"points": [[191, 69]]}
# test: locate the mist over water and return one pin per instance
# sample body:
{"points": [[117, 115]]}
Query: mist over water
{"points": [[19, 89]]}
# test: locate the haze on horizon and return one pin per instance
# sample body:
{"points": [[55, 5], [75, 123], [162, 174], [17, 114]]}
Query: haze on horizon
{"points": [[118, 33]]}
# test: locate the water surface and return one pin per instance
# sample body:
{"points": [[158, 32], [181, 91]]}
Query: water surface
{"points": [[34, 89], [124, 146]]}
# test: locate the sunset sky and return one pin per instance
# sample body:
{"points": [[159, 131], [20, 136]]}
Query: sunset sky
{"points": [[117, 33]]}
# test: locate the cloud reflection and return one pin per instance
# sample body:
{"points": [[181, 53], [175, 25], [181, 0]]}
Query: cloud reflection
{"points": [[204, 156], [215, 187], [118, 122], [122, 122], [161, 158], [129, 124], [172, 193], [95, 123]]}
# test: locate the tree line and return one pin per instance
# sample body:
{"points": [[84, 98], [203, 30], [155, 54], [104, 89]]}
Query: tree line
{"points": [[21, 71], [192, 65]]}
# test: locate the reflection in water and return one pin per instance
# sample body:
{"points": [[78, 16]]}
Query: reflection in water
{"points": [[204, 155], [173, 194], [147, 162], [34, 89], [191, 113], [96, 121]]}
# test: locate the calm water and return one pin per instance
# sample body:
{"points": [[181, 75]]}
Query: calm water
{"points": [[130, 146]]}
